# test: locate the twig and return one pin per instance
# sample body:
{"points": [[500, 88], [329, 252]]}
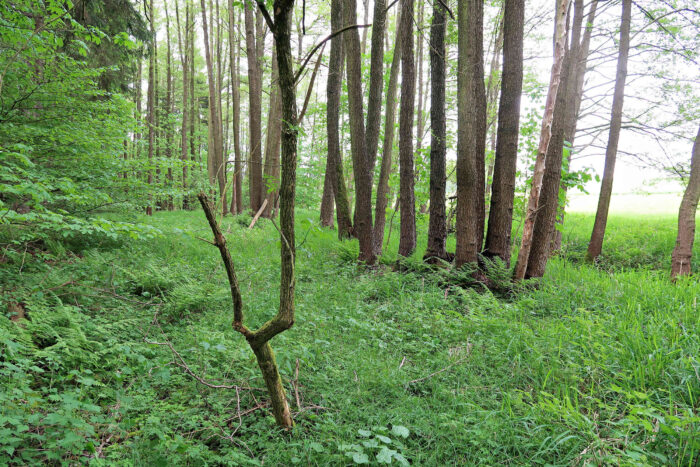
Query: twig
{"points": [[257, 214], [440, 371]]}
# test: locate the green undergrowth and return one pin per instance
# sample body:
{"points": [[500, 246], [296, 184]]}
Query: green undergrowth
{"points": [[593, 364]]}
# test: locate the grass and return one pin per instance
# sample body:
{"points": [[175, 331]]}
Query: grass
{"points": [[597, 364]]}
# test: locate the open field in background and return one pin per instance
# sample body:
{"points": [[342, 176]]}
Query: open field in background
{"points": [[589, 366], [629, 203]]}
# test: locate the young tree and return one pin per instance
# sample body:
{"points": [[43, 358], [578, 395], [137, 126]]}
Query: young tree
{"points": [[407, 239], [601, 217], [560, 33], [437, 227], [184, 59], [360, 159], [169, 108], [471, 132], [150, 105], [683, 251], [500, 222], [259, 340], [388, 147]]}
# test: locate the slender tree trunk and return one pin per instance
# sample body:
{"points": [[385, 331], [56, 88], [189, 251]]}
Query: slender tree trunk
{"points": [[215, 128], [437, 226], [503, 186], [334, 163], [545, 136], [184, 59], [407, 240], [169, 104], [577, 80], [376, 84], [683, 251], [150, 105], [254, 113], [419, 66], [388, 148], [549, 195], [363, 178], [194, 104], [471, 132], [236, 192], [272, 144], [601, 217]]}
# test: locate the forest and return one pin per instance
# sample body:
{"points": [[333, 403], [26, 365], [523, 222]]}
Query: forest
{"points": [[312, 232]]}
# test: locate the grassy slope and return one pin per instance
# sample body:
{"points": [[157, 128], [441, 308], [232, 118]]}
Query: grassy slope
{"points": [[590, 366]]}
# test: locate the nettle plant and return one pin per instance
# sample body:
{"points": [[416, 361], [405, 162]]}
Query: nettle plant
{"points": [[379, 444]]}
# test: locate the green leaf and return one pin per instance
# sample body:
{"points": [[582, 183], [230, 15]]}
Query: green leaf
{"points": [[401, 431]]}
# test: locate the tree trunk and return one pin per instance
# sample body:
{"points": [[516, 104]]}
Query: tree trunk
{"points": [[215, 127], [184, 59], [577, 80], [236, 201], [471, 132], [254, 113], [545, 136], [437, 227], [601, 216], [683, 251], [407, 239], [388, 148], [360, 160], [169, 104], [549, 195], [150, 106], [376, 84], [272, 144], [419, 66], [500, 222]]}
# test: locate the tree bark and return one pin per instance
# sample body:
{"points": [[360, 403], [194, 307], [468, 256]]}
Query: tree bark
{"points": [[437, 226], [150, 108], [388, 147], [376, 84], [254, 113], [683, 251], [236, 192], [272, 144], [545, 136], [595, 246], [169, 104], [471, 132], [577, 81], [500, 222], [215, 126], [184, 59], [549, 195], [407, 239], [360, 159]]}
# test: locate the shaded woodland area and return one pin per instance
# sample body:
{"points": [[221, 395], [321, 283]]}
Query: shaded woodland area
{"points": [[378, 191]]}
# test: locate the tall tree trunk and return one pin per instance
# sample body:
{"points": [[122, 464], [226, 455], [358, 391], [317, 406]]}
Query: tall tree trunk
{"points": [[376, 84], [388, 148], [184, 58], [471, 132], [578, 73], [437, 226], [150, 106], [272, 144], [419, 66], [215, 128], [254, 113], [683, 251], [601, 216], [549, 195], [334, 163], [545, 136], [503, 186], [360, 159], [407, 239], [169, 104], [236, 192], [194, 104]]}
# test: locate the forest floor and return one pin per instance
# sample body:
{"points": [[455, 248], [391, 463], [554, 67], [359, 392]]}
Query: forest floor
{"points": [[591, 365]]}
